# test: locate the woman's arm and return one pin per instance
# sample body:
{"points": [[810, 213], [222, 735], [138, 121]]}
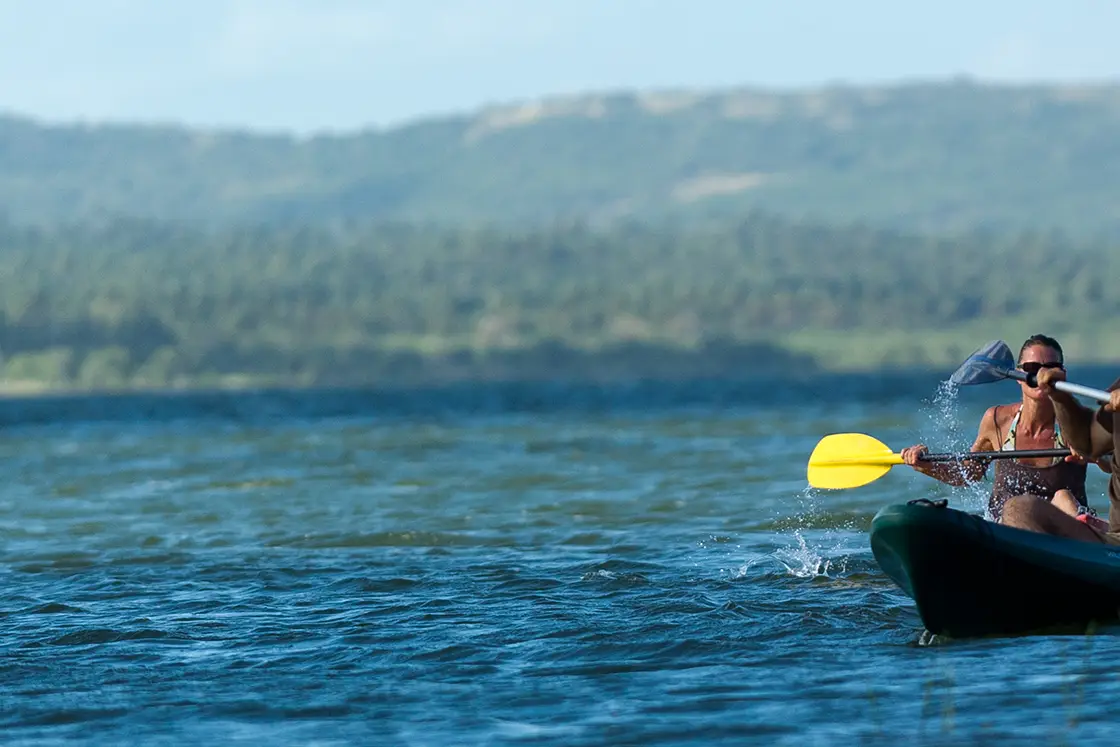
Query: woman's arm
{"points": [[960, 473], [1083, 430]]}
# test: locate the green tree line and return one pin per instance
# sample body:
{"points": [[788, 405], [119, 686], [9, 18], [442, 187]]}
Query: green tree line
{"points": [[136, 303]]}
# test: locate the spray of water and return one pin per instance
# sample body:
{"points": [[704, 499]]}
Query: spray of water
{"points": [[818, 544], [949, 433], [943, 417]]}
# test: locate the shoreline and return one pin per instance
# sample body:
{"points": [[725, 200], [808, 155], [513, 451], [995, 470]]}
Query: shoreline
{"points": [[803, 353], [26, 391]]}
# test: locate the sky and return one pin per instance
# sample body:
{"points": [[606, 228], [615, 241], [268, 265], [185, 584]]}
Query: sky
{"points": [[307, 66]]}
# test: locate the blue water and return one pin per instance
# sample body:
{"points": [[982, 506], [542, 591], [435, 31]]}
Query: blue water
{"points": [[496, 566]]}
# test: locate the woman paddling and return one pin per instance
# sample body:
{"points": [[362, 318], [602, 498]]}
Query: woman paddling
{"points": [[1028, 424]]}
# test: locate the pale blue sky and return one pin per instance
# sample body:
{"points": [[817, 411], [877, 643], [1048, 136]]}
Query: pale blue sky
{"points": [[312, 65]]}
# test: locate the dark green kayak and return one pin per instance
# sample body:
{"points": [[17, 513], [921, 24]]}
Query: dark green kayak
{"points": [[970, 577]]}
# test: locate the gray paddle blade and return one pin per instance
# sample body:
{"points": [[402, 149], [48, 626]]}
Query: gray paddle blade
{"points": [[990, 363]]}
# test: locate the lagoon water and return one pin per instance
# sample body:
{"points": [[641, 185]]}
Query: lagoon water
{"points": [[497, 565]]}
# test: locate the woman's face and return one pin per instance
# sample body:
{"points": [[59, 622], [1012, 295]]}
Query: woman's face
{"points": [[1034, 358]]}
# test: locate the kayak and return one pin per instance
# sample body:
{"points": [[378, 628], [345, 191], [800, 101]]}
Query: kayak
{"points": [[969, 577]]}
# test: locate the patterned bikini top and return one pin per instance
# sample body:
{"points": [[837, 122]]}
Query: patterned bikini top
{"points": [[1009, 442]]}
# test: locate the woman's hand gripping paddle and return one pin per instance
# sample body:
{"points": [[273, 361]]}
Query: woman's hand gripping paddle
{"points": [[996, 362]]}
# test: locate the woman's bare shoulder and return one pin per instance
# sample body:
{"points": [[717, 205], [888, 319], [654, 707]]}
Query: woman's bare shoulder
{"points": [[996, 419]]}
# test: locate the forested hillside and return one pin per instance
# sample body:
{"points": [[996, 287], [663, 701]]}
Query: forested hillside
{"points": [[937, 157], [137, 303]]}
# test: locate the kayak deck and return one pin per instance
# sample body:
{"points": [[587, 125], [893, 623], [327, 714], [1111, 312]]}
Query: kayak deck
{"points": [[969, 577]]}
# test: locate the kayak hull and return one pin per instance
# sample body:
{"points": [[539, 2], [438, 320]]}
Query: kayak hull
{"points": [[969, 577]]}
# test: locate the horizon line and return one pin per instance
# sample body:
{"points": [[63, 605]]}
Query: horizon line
{"points": [[498, 105]]}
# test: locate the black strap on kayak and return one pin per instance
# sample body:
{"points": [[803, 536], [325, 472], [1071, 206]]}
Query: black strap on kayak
{"points": [[940, 503]]}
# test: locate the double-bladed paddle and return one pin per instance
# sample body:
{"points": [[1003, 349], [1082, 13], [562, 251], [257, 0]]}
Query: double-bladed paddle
{"points": [[996, 362], [850, 460]]}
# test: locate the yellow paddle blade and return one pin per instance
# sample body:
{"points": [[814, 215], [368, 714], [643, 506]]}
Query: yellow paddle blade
{"points": [[849, 460]]}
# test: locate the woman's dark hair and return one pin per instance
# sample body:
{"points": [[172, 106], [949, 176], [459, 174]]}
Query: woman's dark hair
{"points": [[1045, 341]]}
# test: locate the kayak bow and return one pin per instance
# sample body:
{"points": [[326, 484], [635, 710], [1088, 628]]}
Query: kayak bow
{"points": [[969, 577]]}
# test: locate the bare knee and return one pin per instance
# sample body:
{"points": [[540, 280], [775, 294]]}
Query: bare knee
{"points": [[1023, 511], [1064, 500]]}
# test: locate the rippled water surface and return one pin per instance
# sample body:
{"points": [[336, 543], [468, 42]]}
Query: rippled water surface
{"points": [[492, 567]]}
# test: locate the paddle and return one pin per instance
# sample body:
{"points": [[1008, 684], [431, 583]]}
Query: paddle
{"points": [[995, 362], [849, 460]]}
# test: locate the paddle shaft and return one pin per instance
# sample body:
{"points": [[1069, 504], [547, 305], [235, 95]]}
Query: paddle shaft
{"points": [[1063, 386], [1020, 454], [895, 459]]}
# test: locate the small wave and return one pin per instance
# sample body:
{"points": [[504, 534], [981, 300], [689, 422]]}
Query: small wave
{"points": [[619, 567], [521, 730], [391, 539], [53, 608], [375, 585], [586, 539], [108, 635], [154, 559], [615, 579], [73, 716], [263, 482], [61, 562]]}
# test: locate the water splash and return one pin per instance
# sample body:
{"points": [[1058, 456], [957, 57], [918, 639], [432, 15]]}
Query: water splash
{"points": [[803, 560], [813, 552], [950, 434], [944, 419]]}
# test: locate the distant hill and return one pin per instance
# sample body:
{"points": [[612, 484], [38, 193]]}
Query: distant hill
{"points": [[938, 156]]}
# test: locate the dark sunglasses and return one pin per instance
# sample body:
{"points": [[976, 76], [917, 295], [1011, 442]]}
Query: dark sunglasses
{"points": [[1033, 367]]}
